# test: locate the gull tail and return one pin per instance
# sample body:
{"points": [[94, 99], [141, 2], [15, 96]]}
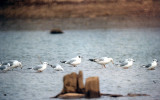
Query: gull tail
{"points": [[29, 68], [63, 61], [144, 66], [93, 60], [117, 65]]}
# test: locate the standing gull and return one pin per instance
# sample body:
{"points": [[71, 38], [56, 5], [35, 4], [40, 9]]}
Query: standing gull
{"points": [[102, 61], [13, 64], [152, 65], [126, 64], [5, 68], [126, 60], [74, 61], [40, 68]]}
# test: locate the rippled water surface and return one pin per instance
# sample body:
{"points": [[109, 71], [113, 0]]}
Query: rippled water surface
{"points": [[142, 45]]}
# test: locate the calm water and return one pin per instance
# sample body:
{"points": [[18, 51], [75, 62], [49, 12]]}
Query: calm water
{"points": [[142, 45]]}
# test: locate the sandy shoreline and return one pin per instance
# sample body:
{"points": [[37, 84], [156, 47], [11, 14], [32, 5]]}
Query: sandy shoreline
{"points": [[80, 23], [88, 14]]}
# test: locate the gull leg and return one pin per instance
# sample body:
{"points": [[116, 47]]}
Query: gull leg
{"points": [[125, 67], [151, 69], [39, 71]]}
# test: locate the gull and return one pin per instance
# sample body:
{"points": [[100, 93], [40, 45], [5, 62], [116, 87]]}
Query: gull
{"points": [[126, 64], [102, 61], [5, 68], [152, 65], [40, 68], [57, 67], [124, 60], [74, 61], [13, 64]]}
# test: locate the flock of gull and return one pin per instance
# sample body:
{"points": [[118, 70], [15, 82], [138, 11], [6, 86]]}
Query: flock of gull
{"points": [[11, 64]]}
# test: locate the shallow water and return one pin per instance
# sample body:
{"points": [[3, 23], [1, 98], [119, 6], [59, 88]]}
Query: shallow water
{"points": [[142, 45]]}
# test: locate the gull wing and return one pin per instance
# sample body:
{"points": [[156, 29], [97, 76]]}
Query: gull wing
{"points": [[37, 67], [147, 66], [124, 64], [71, 61], [6, 63]]}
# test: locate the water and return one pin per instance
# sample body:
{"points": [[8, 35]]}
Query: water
{"points": [[143, 45]]}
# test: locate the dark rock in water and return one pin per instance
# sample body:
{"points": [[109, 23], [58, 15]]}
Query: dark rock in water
{"points": [[5, 94], [92, 87], [56, 31]]}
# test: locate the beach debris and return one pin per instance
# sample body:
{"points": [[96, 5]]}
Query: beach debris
{"points": [[71, 96], [134, 95], [112, 95], [73, 88], [92, 87]]}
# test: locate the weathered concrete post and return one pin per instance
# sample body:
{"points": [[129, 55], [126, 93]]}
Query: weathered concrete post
{"points": [[73, 87], [70, 83], [80, 88], [92, 87]]}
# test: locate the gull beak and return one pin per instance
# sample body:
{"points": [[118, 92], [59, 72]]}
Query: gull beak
{"points": [[49, 65], [112, 62], [21, 66]]}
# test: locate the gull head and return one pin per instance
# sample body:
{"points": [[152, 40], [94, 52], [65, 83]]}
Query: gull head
{"points": [[45, 63], [20, 64], [155, 60], [79, 57], [112, 60], [130, 59]]}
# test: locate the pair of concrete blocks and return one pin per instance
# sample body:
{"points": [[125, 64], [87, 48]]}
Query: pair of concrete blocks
{"points": [[74, 87]]}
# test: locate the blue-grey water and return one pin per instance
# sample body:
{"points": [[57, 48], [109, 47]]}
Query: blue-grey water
{"points": [[143, 45]]}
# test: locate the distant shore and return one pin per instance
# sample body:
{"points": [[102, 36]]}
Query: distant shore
{"points": [[84, 14], [83, 9]]}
